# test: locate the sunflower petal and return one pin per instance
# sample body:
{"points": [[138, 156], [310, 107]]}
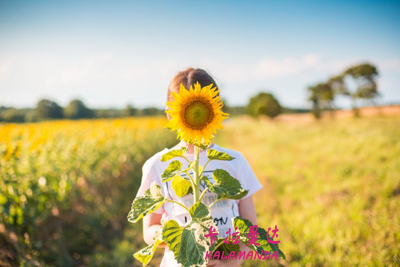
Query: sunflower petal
{"points": [[188, 127]]}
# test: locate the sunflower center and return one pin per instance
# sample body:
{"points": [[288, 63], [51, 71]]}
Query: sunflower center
{"points": [[197, 114]]}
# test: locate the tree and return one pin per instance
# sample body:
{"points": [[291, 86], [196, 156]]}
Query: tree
{"points": [[130, 110], [322, 96], [31, 116], [364, 76], [13, 115], [76, 109], [264, 104], [151, 111], [337, 84], [315, 99], [47, 109]]}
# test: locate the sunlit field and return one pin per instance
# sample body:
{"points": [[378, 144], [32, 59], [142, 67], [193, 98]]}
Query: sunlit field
{"points": [[66, 188], [331, 187]]}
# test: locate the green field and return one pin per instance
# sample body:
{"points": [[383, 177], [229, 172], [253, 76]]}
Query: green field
{"points": [[332, 187]]}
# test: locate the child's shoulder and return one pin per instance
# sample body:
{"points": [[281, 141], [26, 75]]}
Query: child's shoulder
{"points": [[155, 159]]}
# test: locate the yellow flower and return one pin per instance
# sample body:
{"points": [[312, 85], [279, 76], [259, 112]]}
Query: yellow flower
{"points": [[196, 114]]}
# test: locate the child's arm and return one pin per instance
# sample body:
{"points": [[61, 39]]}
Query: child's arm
{"points": [[151, 228], [247, 209]]}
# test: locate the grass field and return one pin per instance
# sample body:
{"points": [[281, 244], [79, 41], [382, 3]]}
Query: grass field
{"points": [[331, 187]]}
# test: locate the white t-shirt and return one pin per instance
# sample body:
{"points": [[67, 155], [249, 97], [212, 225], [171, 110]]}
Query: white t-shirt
{"points": [[222, 212]]}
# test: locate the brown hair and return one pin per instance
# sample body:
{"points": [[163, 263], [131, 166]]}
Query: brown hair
{"points": [[189, 77]]}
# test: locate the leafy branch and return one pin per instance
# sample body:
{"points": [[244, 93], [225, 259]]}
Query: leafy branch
{"points": [[189, 243]]}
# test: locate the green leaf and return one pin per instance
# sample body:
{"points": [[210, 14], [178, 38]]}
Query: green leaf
{"points": [[174, 153], [146, 254], [173, 169], [181, 186], [225, 185], [199, 210], [191, 250], [189, 244], [143, 205], [172, 234], [194, 244], [214, 154], [243, 227], [202, 145]]}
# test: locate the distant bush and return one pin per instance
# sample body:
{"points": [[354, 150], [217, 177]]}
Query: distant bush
{"points": [[47, 109], [264, 104], [76, 109]]}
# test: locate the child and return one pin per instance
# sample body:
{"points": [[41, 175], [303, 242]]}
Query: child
{"points": [[223, 211]]}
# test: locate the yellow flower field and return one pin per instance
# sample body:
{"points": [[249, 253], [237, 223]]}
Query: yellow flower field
{"points": [[66, 187]]}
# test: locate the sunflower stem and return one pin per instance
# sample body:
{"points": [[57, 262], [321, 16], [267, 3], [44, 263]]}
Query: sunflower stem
{"points": [[191, 179], [183, 206], [196, 173], [201, 174], [212, 204], [215, 249], [203, 193]]}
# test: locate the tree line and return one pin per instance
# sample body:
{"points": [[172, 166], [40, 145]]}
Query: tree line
{"points": [[357, 82], [46, 109], [49, 110]]}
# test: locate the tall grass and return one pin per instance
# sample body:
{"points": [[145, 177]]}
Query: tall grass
{"points": [[332, 188]]}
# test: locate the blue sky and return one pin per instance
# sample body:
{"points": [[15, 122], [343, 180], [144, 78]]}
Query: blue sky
{"points": [[111, 53]]}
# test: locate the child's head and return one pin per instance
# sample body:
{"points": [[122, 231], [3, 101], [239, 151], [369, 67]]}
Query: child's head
{"points": [[188, 78]]}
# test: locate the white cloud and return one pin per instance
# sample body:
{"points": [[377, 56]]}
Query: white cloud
{"points": [[6, 66], [389, 65], [152, 69], [310, 65], [114, 78], [85, 70], [269, 67]]}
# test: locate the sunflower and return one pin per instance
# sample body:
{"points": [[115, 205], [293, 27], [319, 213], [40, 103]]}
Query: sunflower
{"points": [[196, 114]]}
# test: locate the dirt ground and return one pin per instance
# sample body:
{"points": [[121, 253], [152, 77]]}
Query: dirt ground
{"points": [[390, 110]]}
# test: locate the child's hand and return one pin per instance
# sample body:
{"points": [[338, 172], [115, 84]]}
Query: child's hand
{"points": [[224, 263]]}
